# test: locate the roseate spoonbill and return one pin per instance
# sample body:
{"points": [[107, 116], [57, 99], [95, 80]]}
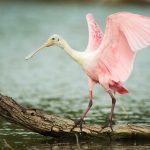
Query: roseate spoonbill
{"points": [[108, 59]]}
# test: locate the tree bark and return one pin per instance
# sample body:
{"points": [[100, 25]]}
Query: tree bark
{"points": [[55, 126]]}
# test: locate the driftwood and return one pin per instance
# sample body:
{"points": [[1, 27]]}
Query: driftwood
{"points": [[55, 126]]}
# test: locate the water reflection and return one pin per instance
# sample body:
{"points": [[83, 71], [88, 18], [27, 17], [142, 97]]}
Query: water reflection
{"points": [[35, 142]]}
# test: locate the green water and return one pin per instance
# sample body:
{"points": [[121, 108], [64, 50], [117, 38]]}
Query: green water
{"points": [[52, 82]]}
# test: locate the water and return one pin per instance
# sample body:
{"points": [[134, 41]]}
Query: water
{"points": [[52, 82]]}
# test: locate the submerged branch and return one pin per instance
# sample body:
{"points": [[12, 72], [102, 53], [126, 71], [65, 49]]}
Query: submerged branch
{"points": [[55, 126]]}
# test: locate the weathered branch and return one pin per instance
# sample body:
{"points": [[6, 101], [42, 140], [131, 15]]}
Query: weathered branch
{"points": [[51, 125]]}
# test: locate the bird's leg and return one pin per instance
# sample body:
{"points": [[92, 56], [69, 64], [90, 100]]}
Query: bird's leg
{"points": [[89, 105], [81, 120], [109, 121]]}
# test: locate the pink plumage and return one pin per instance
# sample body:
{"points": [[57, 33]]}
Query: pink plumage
{"points": [[108, 59], [95, 33], [125, 34]]}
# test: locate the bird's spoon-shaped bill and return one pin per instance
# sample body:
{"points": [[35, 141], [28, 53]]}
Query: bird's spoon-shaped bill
{"points": [[34, 52]]}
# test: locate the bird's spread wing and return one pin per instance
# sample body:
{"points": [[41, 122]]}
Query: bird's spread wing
{"points": [[95, 33], [125, 34]]}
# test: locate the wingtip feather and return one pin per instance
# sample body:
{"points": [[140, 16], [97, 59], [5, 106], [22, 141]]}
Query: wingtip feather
{"points": [[89, 16]]}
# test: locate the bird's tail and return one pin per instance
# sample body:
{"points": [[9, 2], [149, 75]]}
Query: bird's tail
{"points": [[117, 87]]}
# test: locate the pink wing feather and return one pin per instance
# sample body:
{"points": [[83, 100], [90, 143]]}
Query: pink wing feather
{"points": [[125, 34], [95, 33]]}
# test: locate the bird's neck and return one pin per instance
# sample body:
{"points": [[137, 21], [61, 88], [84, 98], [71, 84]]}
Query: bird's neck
{"points": [[75, 55]]}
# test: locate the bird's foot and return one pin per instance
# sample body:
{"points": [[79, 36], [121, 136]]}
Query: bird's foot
{"points": [[78, 122], [108, 124]]}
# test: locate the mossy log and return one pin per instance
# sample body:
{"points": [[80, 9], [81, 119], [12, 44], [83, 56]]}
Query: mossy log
{"points": [[55, 126]]}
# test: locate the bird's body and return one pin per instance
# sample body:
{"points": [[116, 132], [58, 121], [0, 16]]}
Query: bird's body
{"points": [[109, 57]]}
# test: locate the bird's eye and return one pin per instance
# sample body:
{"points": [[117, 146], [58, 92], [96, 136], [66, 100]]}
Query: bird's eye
{"points": [[53, 38]]}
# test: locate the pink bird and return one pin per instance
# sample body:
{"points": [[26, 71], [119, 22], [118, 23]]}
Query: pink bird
{"points": [[108, 59]]}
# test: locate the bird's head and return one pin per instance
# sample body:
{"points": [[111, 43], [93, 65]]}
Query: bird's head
{"points": [[55, 39]]}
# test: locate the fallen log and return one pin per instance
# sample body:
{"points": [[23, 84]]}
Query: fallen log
{"points": [[55, 126]]}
